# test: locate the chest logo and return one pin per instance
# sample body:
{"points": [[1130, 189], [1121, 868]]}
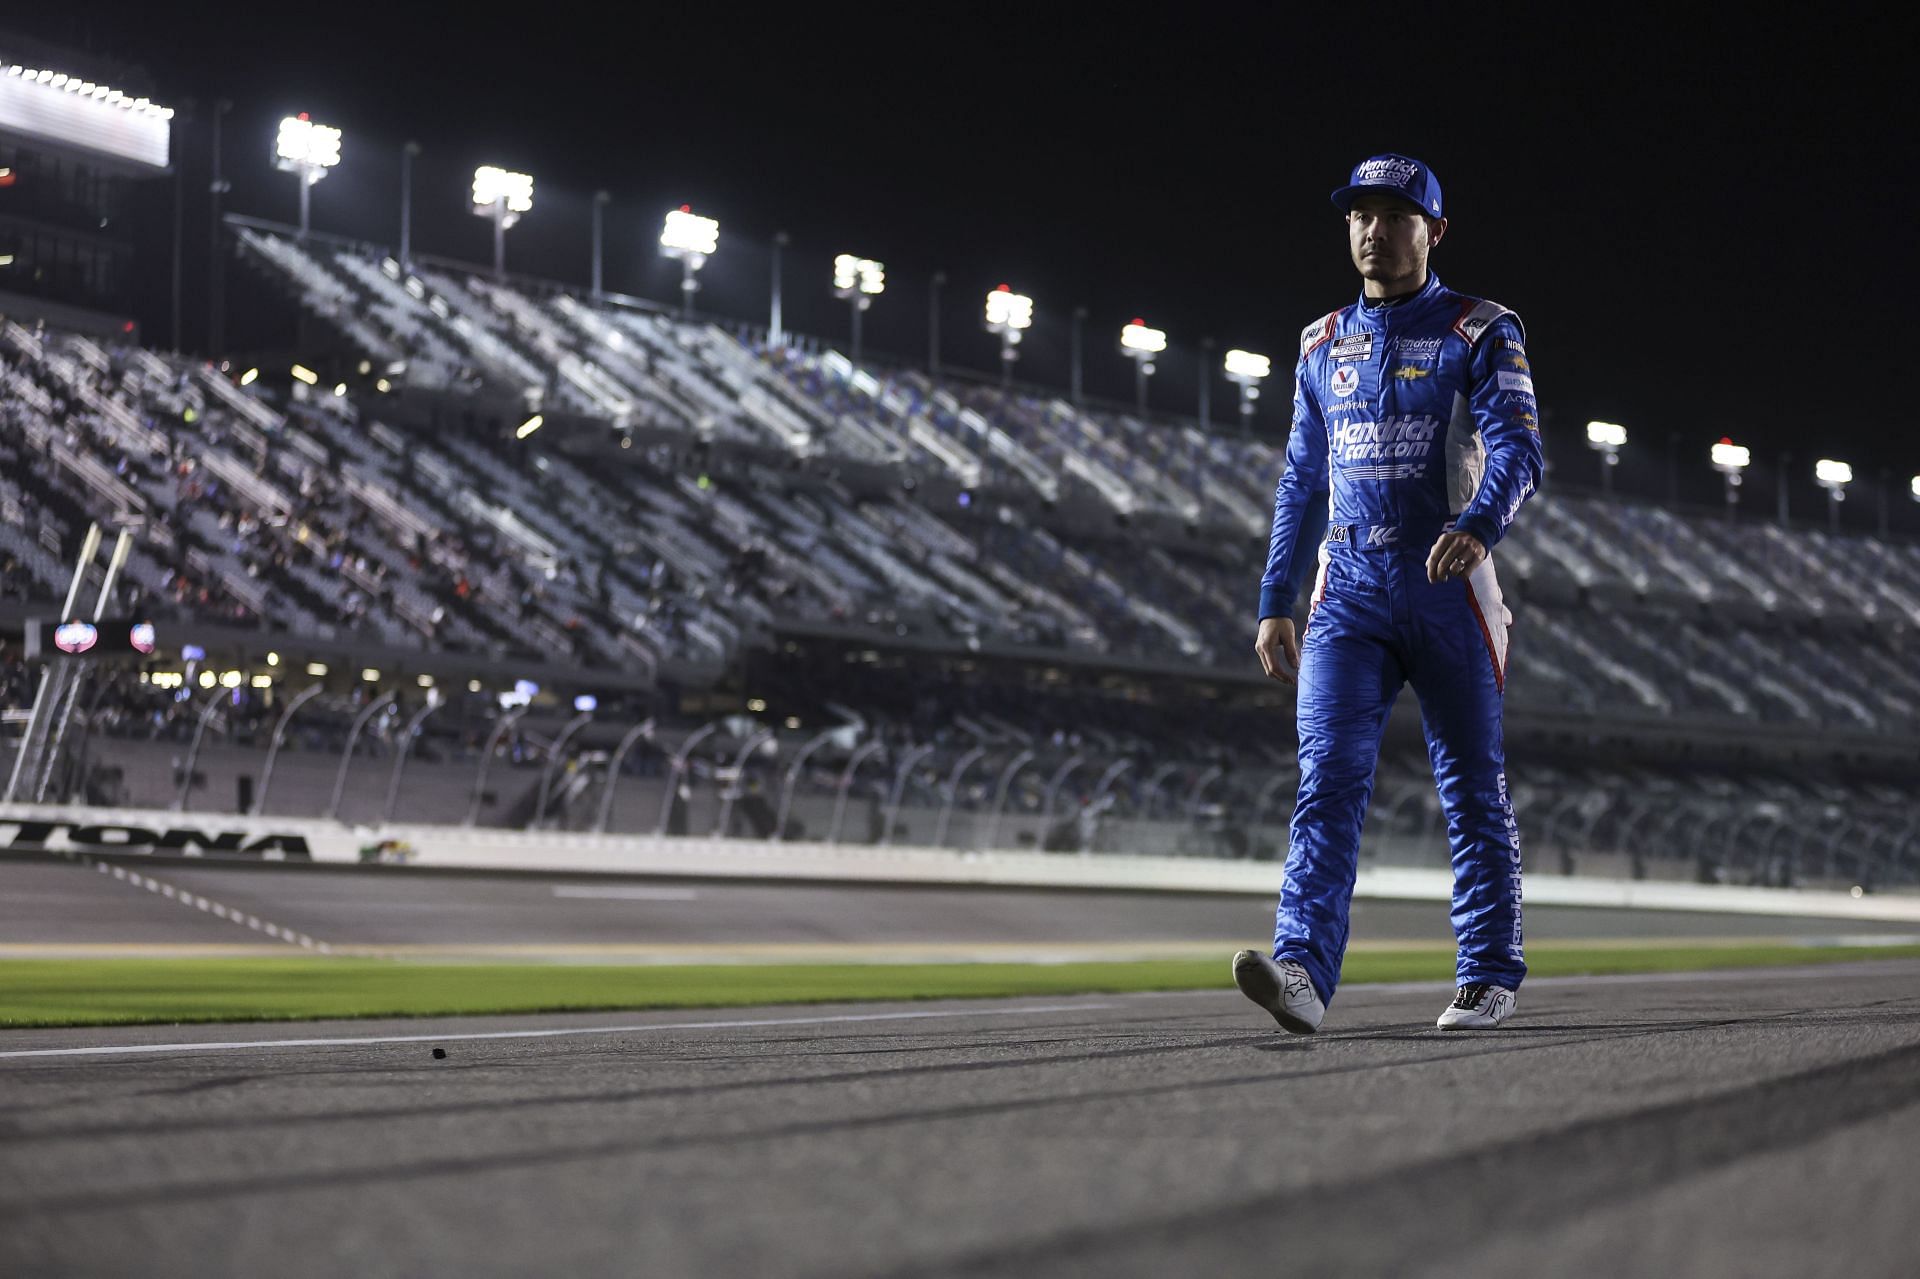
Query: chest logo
{"points": [[1410, 372], [1353, 348], [1346, 380]]}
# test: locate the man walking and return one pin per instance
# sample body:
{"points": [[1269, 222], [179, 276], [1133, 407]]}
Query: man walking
{"points": [[1414, 442]]}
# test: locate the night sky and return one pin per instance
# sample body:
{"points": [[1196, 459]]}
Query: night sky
{"points": [[1706, 233]]}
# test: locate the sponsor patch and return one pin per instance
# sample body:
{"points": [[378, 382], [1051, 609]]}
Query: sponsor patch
{"points": [[1346, 380], [1408, 372], [1352, 348], [1417, 350], [1386, 171], [1529, 421], [1515, 382]]}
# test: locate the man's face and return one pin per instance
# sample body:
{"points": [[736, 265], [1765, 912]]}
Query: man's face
{"points": [[1390, 238]]}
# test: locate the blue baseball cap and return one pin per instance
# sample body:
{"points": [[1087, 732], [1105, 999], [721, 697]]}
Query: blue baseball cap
{"points": [[1392, 174]]}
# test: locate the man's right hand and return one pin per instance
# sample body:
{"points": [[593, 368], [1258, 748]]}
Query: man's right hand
{"points": [[1275, 639]]}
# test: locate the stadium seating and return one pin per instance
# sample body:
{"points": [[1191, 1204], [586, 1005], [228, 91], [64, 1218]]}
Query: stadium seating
{"points": [[739, 508]]}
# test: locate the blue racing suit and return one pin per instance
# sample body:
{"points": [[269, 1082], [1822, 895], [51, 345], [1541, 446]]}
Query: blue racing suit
{"points": [[1408, 419]]}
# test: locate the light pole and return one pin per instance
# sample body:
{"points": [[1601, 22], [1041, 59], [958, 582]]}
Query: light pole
{"points": [[1009, 315], [776, 331], [933, 322], [1140, 344], [1730, 460], [1247, 370], [216, 274], [1206, 384], [857, 282], [407, 152], [306, 150], [1833, 477], [1606, 439], [502, 195], [1076, 382], [600, 200], [691, 239]]}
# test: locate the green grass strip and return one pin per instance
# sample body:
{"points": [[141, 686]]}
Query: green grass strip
{"points": [[100, 992]]}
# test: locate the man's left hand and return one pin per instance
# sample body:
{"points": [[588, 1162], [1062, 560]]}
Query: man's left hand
{"points": [[1454, 555]]}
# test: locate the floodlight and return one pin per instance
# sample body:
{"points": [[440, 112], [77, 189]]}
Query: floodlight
{"points": [[529, 426], [1830, 474], [686, 232], [493, 185], [306, 148], [1730, 457], [1138, 337], [1248, 370], [1606, 435], [1007, 310], [1008, 314], [586, 703], [1913, 487], [501, 195], [1247, 365], [306, 374], [370, 675], [691, 238], [853, 276]]}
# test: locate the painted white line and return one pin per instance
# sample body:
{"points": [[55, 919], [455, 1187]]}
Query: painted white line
{"points": [[611, 892], [186, 898], [121, 1050]]}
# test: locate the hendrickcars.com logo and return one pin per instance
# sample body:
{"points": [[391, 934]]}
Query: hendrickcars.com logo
{"points": [[190, 842]]}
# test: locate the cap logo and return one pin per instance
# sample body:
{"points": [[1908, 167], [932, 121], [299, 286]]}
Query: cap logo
{"points": [[1386, 170]]}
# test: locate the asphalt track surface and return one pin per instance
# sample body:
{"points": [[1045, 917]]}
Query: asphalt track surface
{"points": [[50, 905], [1747, 1124]]}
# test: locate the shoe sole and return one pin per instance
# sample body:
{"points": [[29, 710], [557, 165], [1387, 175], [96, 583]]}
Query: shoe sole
{"points": [[1257, 984]]}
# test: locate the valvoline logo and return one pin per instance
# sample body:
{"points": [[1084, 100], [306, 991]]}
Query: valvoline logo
{"points": [[1346, 380]]}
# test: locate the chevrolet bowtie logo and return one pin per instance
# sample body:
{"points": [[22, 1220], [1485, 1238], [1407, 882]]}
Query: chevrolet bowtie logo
{"points": [[1408, 372]]}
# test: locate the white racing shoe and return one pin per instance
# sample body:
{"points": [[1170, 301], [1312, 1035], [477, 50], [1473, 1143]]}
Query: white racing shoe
{"points": [[1282, 988], [1479, 1005]]}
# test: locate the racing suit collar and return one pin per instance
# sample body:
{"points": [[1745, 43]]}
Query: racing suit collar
{"points": [[1371, 312]]}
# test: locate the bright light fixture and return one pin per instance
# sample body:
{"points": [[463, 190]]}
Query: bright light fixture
{"points": [[370, 675], [1245, 364], [586, 703], [208, 679], [424, 681], [249, 377], [686, 232], [1606, 435], [262, 681], [306, 374], [1728, 456], [1913, 487], [1138, 337], [1832, 473], [231, 679], [273, 659], [316, 668], [852, 275], [305, 147], [492, 184], [1009, 310], [529, 426]]}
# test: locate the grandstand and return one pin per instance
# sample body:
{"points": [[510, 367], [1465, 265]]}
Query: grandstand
{"points": [[861, 603]]}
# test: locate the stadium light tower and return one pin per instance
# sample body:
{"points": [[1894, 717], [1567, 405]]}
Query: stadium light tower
{"points": [[857, 282], [1606, 439], [1247, 371], [1833, 477], [502, 195], [306, 150], [692, 239], [1140, 344], [1009, 314], [1731, 460]]}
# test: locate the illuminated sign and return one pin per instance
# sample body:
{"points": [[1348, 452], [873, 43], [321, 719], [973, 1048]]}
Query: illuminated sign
{"points": [[140, 635]]}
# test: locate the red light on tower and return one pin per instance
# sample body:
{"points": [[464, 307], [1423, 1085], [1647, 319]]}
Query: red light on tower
{"points": [[305, 116]]}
